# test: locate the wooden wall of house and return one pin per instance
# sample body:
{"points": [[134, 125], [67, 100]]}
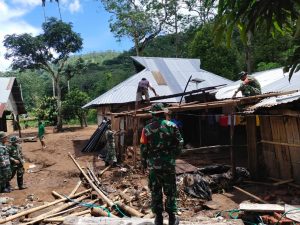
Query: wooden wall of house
{"points": [[280, 146]]}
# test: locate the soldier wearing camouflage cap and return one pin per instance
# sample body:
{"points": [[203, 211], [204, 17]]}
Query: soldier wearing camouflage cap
{"points": [[5, 171], [16, 160], [161, 143]]}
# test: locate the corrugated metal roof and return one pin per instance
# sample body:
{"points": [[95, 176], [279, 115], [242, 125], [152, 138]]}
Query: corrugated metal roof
{"points": [[265, 78], [175, 72], [10, 96]]}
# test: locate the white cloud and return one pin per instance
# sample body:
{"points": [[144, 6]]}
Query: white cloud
{"points": [[27, 2], [11, 22], [74, 6]]}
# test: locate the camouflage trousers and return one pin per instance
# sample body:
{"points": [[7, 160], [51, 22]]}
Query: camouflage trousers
{"points": [[111, 155], [19, 170], [250, 91], [5, 176], [163, 181]]}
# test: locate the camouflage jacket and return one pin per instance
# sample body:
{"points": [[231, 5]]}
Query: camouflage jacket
{"points": [[15, 152], [161, 143], [4, 157], [253, 82], [110, 139]]}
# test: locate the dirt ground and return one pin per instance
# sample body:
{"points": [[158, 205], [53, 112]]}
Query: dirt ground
{"points": [[55, 171]]}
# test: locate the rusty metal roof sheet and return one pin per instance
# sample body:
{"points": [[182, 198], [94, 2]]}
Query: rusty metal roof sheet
{"points": [[174, 73]]}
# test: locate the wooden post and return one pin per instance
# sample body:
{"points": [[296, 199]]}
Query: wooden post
{"points": [[252, 145], [232, 152]]}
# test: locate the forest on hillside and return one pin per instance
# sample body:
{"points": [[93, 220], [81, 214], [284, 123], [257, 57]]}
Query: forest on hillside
{"points": [[179, 35]]}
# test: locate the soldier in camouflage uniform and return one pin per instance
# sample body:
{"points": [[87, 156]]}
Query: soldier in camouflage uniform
{"points": [[110, 158], [16, 161], [249, 87], [5, 171], [161, 143]]}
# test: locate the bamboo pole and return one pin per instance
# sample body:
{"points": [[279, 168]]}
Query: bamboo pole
{"points": [[107, 200], [100, 212], [55, 210], [130, 210], [55, 194], [110, 203], [75, 188], [18, 215], [249, 194], [103, 171]]}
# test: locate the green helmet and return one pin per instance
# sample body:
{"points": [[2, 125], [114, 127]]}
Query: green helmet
{"points": [[241, 74], [2, 135], [13, 139], [157, 108]]}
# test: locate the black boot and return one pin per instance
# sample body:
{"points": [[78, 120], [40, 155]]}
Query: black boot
{"points": [[173, 219], [20, 183], [8, 188], [159, 220]]}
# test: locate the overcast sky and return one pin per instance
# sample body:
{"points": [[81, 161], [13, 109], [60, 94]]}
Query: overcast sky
{"points": [[88, 18]]}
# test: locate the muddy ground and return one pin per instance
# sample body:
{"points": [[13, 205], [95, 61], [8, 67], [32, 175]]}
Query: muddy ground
{"points": [[55, 171]]}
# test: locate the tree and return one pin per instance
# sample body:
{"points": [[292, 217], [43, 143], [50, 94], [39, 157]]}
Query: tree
{"points": [[217, 59], [249, 15], [47, 110], [48, 51], [140, 20], [72, 106]]}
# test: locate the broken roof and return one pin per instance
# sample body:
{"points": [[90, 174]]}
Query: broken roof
{"points": [[10, 96], [167, 76]]}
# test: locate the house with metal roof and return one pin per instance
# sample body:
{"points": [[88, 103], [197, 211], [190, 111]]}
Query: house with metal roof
{"points": [[11, 100], [166, 75]]}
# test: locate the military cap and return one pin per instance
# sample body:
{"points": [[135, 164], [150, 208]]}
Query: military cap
{"points": [[243, 73], [157, 108]]}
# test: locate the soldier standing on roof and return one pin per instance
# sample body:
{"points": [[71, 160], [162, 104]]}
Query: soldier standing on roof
{"points": [[16, 161], [5, 171], [249, 87], [142, 89], [161, 143]]}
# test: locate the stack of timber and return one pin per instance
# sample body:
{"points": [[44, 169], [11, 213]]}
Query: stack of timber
{"points": [[97, 140]]}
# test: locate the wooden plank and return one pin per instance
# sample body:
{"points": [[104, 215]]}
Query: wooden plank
{"points": [[253, 207], [140, 221], [268, 151], [282, 152], [184, 167], [281, 143], [252, 148], [293, 137], [292, 213], [283, 182], [285, 149]]}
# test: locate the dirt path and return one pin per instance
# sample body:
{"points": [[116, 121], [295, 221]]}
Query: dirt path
{"points": [[54, 170]]}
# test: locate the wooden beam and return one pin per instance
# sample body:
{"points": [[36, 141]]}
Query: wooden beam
{"points": [[249, 194], [279, 143]]}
